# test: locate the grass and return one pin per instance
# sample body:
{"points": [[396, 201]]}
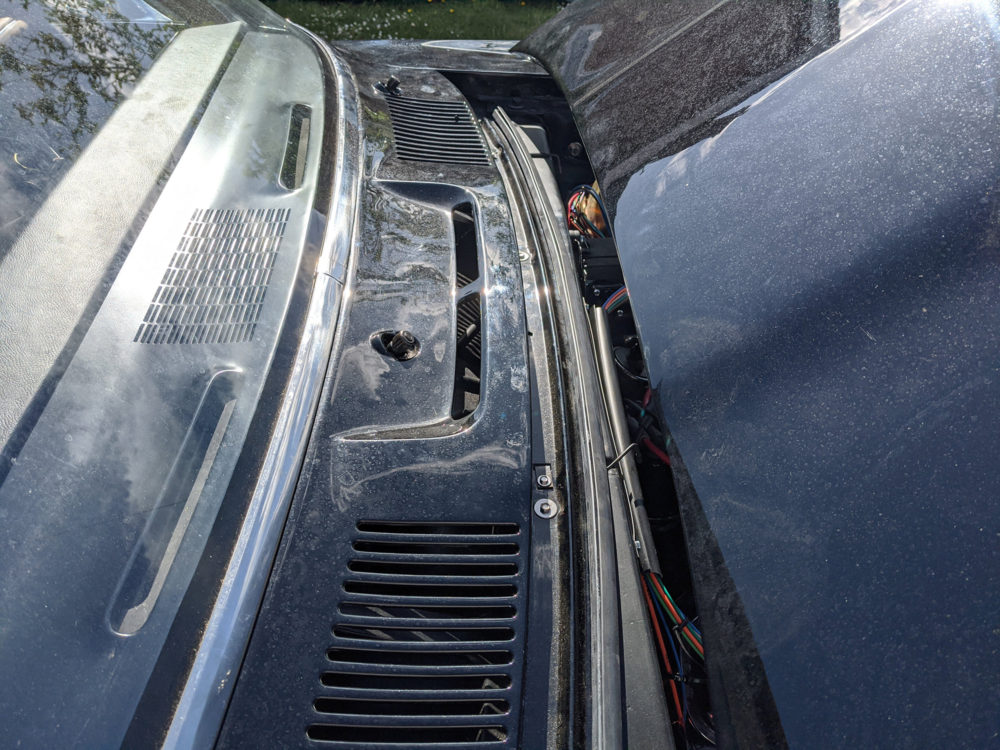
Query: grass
{"points": [[431, 19]]}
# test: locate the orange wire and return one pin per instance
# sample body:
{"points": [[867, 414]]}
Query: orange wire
{"points": [[666, 600], [663, 651]]}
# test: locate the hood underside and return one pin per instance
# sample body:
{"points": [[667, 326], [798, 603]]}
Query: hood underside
{"points": [[804, 201]]}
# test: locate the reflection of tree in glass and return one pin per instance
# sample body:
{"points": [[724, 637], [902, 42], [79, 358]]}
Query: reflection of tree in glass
{"points": [[91, 50], [62, 75]]}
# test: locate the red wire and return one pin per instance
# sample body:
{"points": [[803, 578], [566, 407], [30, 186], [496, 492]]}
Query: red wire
{"points": [[677, 618], [663, 651], [571, 213], [655, 450], [623, 292]]}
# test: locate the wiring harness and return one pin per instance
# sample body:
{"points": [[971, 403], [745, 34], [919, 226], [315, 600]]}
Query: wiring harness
{"points": [[678, 639], [580, 215], [616, 300]]}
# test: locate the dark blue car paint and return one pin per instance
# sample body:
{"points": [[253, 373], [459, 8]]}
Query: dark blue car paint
{"points": [[811, 253]]}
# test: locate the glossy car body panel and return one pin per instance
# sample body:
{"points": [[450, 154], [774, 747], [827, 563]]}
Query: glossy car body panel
{"points": [[811, 258], [386, 446]]}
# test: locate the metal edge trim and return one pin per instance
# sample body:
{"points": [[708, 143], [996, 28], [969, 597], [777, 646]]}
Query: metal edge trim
{"points": [[605, 719], [203, 702], [642, 535]]}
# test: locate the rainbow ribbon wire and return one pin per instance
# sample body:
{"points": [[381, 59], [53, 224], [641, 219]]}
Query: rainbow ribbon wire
{"points": [[616, 300]]}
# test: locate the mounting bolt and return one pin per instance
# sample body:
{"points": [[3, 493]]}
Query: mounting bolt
{"points": [[544, 481], [403, 346], [391, 85], [546, 508]]}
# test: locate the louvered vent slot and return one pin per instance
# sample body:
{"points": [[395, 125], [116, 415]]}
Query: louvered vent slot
{"points": [[468, 314], [435, 130], [424, 638], [213, 290], [463, 221]]}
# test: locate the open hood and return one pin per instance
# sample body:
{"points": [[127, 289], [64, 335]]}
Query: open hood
{"points": [[804, 200], [647, 79]]}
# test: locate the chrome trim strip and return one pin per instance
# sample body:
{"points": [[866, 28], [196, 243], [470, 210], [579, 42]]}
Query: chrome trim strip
{"points": [[604, 721], [346, 198], [206, 694]]}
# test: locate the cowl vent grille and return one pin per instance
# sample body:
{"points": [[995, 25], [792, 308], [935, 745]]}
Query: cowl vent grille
{"points": [[424, 640], [213, 290], [435, 130]]}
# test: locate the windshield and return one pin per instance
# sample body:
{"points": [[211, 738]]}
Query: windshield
{"points": [[63, 68], [157, 178]]}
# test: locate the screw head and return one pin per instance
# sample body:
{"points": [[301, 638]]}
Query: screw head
{"points": [[546, 508], [544, 481]]}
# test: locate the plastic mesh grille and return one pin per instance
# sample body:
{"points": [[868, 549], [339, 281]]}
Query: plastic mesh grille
{"points": [[213, 290]]}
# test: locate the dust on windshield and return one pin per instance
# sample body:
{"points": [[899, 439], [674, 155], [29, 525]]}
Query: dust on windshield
{"points": [[64, 66]]}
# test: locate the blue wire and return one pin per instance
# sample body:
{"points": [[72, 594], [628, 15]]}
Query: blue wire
{"points": [[662, 616], [612, 296]]}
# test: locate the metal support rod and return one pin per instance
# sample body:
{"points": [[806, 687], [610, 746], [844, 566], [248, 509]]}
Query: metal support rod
{"points": [[642, 534]]}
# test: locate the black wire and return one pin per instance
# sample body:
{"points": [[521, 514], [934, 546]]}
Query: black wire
{"points": [[627, 371], [704, 730], [600, 201]]}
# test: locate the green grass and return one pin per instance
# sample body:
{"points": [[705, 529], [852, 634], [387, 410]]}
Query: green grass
{"points": [[435, 19]]}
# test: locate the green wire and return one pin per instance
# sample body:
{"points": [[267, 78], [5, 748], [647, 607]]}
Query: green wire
{"points": [[618, 303], [683, 631]]}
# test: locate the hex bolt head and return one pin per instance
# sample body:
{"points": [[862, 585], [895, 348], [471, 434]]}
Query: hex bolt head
{"points": [[546, 508], [544, 481]]}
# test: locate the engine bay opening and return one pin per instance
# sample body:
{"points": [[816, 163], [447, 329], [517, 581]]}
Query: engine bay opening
{"points": [[642, 443], [642, 460]]}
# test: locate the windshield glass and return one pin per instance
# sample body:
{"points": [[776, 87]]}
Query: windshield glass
{"points": [[63, 68], [157, 180]]}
